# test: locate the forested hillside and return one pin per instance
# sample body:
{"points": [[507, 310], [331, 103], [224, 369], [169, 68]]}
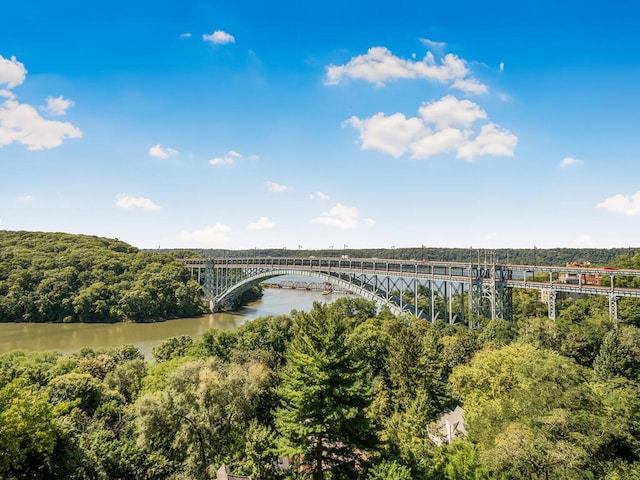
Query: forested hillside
{"points": [[59, 277], [346, 392]]}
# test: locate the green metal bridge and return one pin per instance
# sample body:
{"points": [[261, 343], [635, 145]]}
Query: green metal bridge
{"points": [[431, 290]]}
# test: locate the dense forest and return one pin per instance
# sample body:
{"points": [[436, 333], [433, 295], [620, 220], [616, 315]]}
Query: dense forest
{"points": [[58, 277], [344, 392], [341, 391]]}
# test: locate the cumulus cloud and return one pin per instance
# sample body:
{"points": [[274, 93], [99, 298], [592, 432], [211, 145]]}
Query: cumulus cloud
{"points": [[222, 160], [219, 37], [393, 134], [444, 127], [275, 187], [379, 65], [319, 196], [127, 202], [628, 205], [339, 216], [185, 35], [58, 106], [570, 162], [433, 44], [450, 112], [12, 72], [20, 122], [263, 223], [442, 141], [230, 158], [501, 66], [158, 151], [470, 85], [493, 140], [210, 236]]}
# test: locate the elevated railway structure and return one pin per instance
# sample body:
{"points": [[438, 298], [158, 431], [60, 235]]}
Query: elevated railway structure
{"points": [[451, 291]]}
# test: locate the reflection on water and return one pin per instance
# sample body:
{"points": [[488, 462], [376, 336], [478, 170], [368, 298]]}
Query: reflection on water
{"points": [[74, 336]]}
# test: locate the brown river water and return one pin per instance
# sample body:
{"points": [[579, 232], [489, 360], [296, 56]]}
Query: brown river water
{"points": [[71, 337]]}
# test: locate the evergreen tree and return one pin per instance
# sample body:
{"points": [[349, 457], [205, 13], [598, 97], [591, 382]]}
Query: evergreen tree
{"points": [[324, 394]]}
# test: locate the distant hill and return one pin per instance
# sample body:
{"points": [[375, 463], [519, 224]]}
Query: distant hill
{"points": [[60, 277]]}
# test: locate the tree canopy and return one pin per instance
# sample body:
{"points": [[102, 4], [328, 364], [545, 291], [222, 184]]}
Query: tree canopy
{"points": [[58, 277]]}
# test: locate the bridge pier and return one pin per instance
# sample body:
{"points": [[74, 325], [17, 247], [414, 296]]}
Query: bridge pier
{"points": [[551, 304], [613, 307]]}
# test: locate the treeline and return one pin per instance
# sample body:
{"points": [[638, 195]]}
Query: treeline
{"points": [[58, 277], [518, 256], [345, 392]]}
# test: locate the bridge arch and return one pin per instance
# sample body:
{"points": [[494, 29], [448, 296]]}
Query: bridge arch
{"points": [[234, 291]]}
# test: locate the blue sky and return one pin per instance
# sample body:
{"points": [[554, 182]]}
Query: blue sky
{"points": [[285, 124]]}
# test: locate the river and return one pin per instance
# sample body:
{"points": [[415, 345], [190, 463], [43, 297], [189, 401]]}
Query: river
{"points": [[72, 337]]}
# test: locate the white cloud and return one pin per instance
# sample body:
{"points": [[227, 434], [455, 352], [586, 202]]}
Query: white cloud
{"points": [[21, 123], [339, 216], [393, 134], [263, 223], [433, 44], [222, 161], [12, 72], [126, 202], [219, 38], [501, 66], [319, 196], [26, 198], [449, 111], [493, 140], [58, 106], [442, 141], [210, 236], [470, 85], [570, 162], [628, 205], [230, 158], [162, 152], [275, 187], [185, 35], [379, 65], [253, 157], [436, 132], [370, 222]]}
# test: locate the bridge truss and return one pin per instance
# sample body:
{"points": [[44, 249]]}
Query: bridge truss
{"points": [[455, 292]]}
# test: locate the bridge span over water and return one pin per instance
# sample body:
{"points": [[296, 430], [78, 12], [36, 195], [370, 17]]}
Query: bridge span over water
{"points": [[451, 291]]}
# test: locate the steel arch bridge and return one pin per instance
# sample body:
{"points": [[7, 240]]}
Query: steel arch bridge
{"points": [[449, 291]]}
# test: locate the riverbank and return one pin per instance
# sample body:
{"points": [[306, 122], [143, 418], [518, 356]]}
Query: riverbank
{"points": [[70, 337]]}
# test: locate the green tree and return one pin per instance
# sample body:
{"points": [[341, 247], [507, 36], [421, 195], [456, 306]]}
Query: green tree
{"points": [[173, 347], [531, 411], [389, 470], [201, 418], [325, 394], [28, 431], [619, 354]]}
